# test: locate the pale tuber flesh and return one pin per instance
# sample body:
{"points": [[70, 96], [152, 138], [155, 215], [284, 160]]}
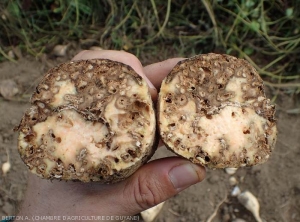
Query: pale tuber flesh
{"points": [[212, 110], [90, 120]]}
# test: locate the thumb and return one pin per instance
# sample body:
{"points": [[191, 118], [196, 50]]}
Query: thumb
{"points": [[157, 181]]}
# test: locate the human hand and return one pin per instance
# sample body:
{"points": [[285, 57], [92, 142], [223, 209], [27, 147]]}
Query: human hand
{"points": [[151, 184]]}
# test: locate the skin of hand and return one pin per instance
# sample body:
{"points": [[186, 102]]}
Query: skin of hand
{"points": [[150, 185]]}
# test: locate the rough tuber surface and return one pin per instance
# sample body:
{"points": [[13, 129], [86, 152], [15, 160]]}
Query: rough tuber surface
{"points": [[90, 120], [213, 111]]}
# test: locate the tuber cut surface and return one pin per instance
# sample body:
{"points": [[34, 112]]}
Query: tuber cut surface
{"points": [[90, 120], [212, 110]]}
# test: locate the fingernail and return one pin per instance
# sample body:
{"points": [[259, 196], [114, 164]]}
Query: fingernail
{"points": [[183, 176]]}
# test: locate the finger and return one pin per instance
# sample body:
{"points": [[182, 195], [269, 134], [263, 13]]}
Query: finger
{"points": [[158, 71], [119, 56], [156, 182]]}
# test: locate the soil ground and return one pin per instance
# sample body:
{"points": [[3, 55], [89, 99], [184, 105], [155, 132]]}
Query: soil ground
{"points": [[276, 184]]}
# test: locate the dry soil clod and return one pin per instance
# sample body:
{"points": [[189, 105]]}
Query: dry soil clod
{"points": [[212, 110], [90, 121], [151, 214], [230, 170], [8, 89], [6, 166], [250, 202]]}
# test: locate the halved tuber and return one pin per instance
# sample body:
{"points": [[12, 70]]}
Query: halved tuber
{"points": [[213, 111], [90, 120]]}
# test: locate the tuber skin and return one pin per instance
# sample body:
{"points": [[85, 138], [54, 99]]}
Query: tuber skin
{"points": [[93, 120], [90, 120], [212, 110]]}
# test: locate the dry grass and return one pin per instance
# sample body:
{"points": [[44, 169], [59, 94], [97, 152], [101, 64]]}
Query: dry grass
{"points": [[266, 33]]}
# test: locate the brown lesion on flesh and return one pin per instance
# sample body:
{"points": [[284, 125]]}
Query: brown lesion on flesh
{"points": [[212, 82], [211, 73], [81, 154], [202, 154], [95, 84]]}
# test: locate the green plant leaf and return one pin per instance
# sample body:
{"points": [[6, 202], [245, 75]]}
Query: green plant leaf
{"points": [[250, 4], [289, 12], [228, 51], [14, 9], [254, 25], [248, 50]]}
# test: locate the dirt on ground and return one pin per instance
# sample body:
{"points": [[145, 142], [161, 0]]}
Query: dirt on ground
{"points": [[276, 184]]}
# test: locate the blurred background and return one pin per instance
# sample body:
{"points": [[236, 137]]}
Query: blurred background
{"points": [[37, 35], [266, 33]]}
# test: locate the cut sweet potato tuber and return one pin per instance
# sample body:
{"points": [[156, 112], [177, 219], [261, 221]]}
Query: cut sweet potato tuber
{"points": [[213, 111], [90, 120]]}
